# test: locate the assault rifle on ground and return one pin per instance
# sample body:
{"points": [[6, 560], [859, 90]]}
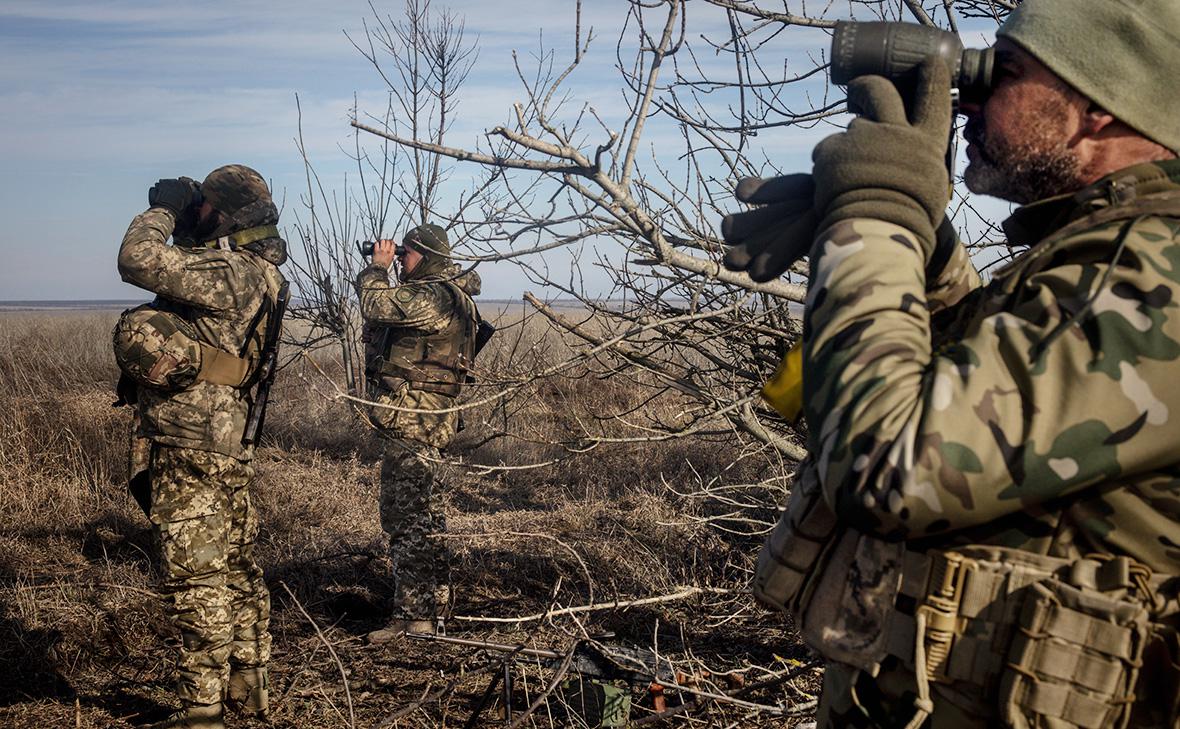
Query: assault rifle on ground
{"points": [[595, 697], [592, 659], [267, 367]]}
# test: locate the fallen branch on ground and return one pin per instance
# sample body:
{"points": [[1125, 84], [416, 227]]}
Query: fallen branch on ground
{"points": [[615, 604], [331, 650]]}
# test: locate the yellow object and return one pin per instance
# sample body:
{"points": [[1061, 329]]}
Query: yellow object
{"points": [[784, 390]]}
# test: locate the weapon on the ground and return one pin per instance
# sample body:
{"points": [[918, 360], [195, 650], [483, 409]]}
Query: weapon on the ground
{"points": [[592, 659], [267, 367], [595, 697], [366, 248]]}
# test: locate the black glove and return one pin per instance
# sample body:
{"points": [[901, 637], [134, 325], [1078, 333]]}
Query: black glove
{"points": [[178, 195], [765, 241], [887, 166]]}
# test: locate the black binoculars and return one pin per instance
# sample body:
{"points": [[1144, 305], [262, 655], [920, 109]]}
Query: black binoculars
{"points": [[366, 248], [164, 190], [894, 50]]}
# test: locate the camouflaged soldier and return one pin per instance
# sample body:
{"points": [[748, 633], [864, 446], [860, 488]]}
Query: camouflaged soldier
{"points": [[987, 531], [420, 344], [191, 357]]}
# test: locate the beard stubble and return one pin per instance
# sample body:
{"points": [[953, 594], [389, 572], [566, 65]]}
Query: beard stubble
{"points": [[1029, 164]]}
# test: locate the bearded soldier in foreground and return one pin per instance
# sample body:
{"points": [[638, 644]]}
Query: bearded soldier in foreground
{"points": [[987, 531], [191, 360], [421, 342]]}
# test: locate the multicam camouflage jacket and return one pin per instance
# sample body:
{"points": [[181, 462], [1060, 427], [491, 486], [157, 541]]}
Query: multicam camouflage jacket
{"points": [[424, 316], [220, 292], [1039, 411]]}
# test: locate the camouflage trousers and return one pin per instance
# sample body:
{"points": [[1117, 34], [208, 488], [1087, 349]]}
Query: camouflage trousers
{"points": [[412, 515], [215, 595]]}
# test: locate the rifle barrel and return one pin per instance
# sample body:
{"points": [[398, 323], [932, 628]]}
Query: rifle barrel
{"points": [[499, 647]]}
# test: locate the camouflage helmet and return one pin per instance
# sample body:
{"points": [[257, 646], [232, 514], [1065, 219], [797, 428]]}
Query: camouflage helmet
{"points": [[428, 239], [157, 349], [234, 187]]}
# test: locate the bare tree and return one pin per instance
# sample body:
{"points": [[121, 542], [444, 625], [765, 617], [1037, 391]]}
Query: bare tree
{"points": [[663, 312], [430, 58]]}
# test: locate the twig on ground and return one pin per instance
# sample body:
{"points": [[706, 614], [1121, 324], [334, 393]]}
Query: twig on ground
{"points": [[425, 698], [553, 682], [331, 650], [615, 604]]}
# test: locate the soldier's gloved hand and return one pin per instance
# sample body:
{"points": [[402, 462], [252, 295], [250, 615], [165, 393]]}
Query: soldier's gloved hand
{"points": [[175, 194], [887, 166], [764, 242], [187, 221], [384, 252]]}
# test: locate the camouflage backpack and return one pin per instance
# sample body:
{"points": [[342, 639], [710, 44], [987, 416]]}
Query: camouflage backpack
{"points": [[161, 350]]}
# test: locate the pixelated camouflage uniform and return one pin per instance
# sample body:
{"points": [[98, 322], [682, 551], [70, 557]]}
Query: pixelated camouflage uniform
{"points": [[200, 472], [411, 323], [1036, 412]]}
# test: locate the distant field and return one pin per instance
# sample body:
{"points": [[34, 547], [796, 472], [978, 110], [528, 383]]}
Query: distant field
{"points": [[70, 306], [119, 304], [83, 639]]}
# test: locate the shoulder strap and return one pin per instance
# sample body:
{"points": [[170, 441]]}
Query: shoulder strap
{"points": [[243, 238], [1166, 204], [467, 303]]}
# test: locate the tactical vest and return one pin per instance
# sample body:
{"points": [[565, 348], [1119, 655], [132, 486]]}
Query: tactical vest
{"points": [[437, 362], [1058, 639], [1051, 642]]}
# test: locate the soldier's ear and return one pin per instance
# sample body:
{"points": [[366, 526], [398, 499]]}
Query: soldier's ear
{"points": [[1096, 120]]}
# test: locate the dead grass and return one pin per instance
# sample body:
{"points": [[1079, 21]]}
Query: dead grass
{"points": [[83, 640]]}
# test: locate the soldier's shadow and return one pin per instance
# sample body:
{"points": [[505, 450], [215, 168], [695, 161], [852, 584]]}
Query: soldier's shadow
{"points": [[128, 701], [30, 664], [350, 590], [114, 537], [28, 661]]}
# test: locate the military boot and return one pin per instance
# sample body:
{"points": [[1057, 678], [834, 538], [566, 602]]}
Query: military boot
{"points": [[194, 716], [398, 628], [248, 691]]}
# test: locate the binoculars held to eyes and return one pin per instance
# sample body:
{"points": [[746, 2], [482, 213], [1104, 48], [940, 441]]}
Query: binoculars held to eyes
{"points": [[366, 248], [895, 50]]}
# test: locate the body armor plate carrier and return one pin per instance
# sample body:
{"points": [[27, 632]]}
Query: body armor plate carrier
{"points": [[430, 362]]}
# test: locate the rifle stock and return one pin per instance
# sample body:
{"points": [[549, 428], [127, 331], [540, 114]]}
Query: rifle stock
{"points": [[483, 332], [267, 368]]}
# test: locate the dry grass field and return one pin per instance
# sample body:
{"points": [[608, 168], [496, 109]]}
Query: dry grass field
{"points": [[84, 642]]}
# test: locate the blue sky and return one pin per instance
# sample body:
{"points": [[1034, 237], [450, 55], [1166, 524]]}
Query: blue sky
{"points": [[98, 100]]}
